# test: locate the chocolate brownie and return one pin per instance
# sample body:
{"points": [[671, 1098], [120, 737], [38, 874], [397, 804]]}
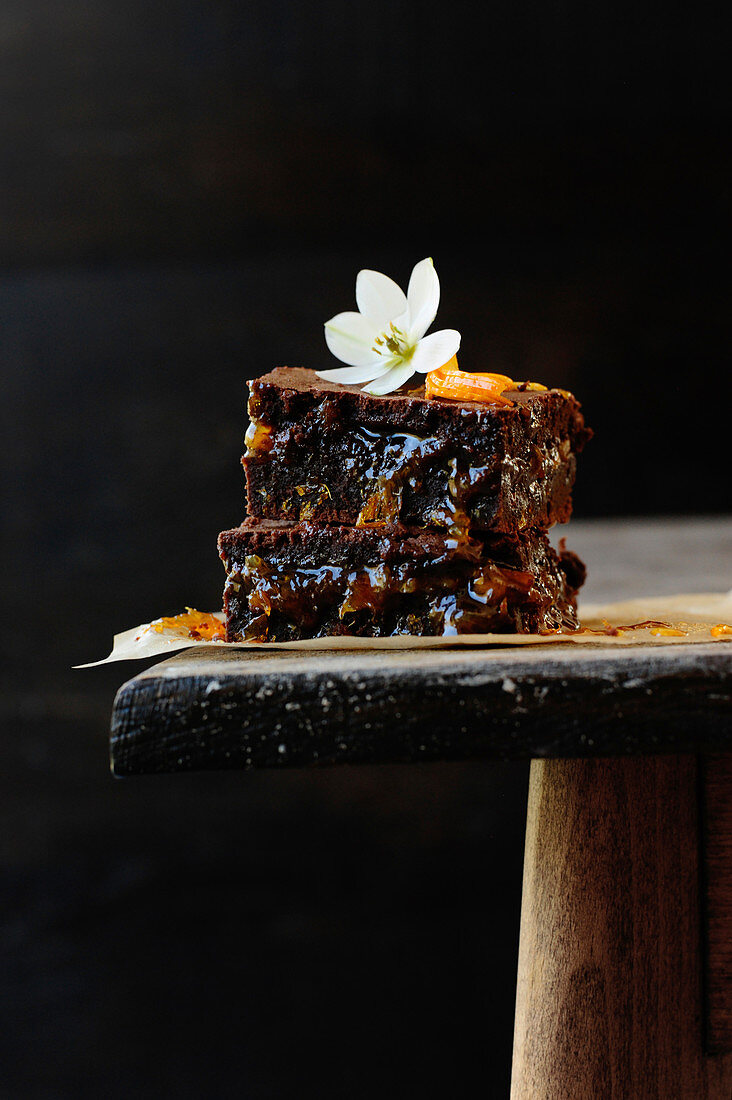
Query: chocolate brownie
{"points": [[287, 581], [330, 453]]}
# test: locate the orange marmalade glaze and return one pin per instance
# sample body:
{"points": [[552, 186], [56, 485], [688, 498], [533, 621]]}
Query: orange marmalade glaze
{"points": [[258, 438], [720, 630], [199, 625], [654, 625]]}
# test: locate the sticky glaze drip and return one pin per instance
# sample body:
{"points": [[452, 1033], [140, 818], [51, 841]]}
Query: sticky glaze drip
{"points": [[393, 458]]}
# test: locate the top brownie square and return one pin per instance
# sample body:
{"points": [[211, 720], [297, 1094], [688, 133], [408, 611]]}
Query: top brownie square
{"points": [[331, 453]]}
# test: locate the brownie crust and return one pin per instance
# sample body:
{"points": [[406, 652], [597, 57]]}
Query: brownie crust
{"points": [[331, 453], [287, 581]]}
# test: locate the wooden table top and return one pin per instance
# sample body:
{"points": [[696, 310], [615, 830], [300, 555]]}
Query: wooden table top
{"points": [[208, 709]]}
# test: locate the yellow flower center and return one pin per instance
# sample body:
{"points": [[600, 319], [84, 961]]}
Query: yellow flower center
{"points": [[393, 343]]}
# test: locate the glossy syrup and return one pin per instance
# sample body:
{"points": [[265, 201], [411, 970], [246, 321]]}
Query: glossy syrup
{"points": [[452, 597]]}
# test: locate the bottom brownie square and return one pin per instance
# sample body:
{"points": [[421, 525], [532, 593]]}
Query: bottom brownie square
{"points": [[286, 581]]}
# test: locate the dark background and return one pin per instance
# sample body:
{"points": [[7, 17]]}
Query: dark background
{"points": [[187, 192]]}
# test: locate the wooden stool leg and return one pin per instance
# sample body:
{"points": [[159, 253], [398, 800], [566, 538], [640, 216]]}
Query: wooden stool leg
{"points": [[717, 878], [610, 997]]}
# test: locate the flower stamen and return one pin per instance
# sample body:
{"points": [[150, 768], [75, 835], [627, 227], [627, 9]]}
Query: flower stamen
{"points": [[393, 343]]}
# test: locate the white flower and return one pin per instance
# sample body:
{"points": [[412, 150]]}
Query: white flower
{"points": [[385, 343]]}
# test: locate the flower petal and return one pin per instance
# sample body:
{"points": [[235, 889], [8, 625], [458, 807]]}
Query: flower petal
{"points": [[423, 296], [395, 378], [350, 337], [351, 376], [435, 350], [379, 298]]}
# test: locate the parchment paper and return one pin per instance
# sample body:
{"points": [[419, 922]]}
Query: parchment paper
{"points": [[695, 614]]}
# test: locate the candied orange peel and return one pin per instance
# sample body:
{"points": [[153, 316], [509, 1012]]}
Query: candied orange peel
{"points": [[720, 630], [458, 385], [200, 625], [448, 381]]}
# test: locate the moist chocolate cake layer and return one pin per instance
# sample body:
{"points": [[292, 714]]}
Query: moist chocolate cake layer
{"points": [[287, 581], [322, 452]]}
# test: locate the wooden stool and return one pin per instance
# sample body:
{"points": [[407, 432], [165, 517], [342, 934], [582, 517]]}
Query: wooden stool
{"points": [[625, 963]]}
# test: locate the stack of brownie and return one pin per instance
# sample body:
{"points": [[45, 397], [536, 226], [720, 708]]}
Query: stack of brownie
{"points": [[378, 516]]}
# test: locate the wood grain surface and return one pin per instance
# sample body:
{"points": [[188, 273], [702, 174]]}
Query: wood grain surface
{"points": [[717, 879], [610, 998], [209, 710]]}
